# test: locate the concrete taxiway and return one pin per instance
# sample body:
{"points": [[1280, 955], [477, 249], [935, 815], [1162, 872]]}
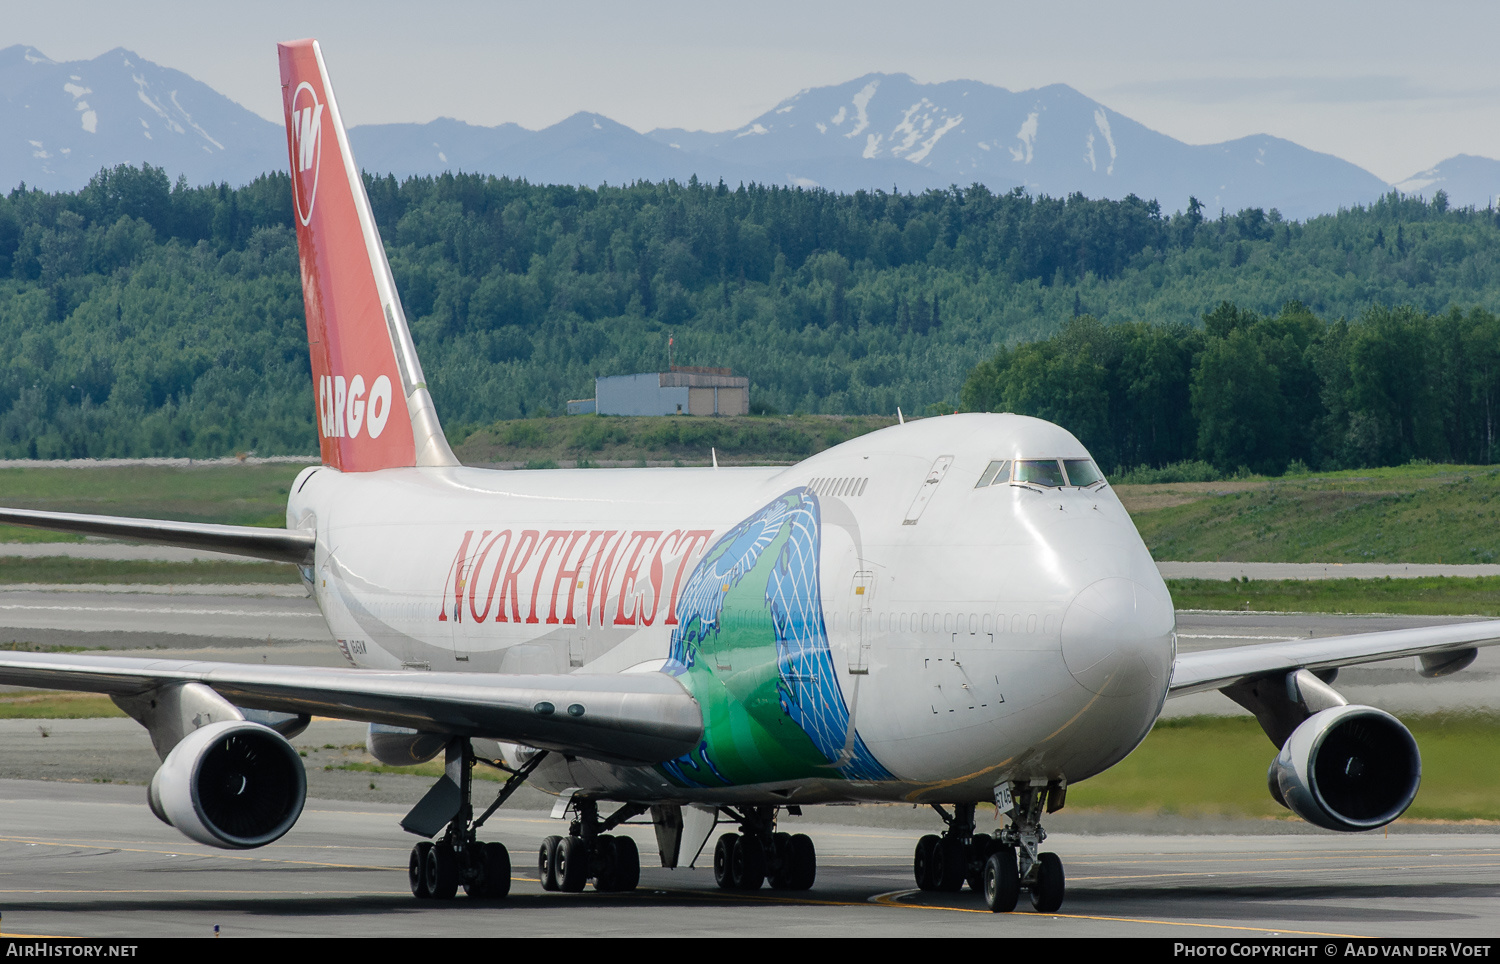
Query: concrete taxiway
{"points": [[89, 860]]}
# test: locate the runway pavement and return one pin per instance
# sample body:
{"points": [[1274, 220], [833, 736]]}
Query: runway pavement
{"points": [[89, 860]]}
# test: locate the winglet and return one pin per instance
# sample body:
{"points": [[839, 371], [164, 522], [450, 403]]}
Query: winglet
{"points": [[374, 410]]}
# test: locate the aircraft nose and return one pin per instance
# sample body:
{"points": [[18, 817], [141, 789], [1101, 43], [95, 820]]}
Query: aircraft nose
{"points": [[1117, 638]]}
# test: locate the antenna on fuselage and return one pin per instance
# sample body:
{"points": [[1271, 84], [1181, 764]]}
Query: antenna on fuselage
{"points": [[899, 417], [713, 454]]}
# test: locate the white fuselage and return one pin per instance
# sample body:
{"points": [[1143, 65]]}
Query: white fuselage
{"points": [[978, 634]]}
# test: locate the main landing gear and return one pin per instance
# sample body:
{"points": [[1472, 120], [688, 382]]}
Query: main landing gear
{"points": [[437, 869], [758, 854], [999, 866], [590, 852]]}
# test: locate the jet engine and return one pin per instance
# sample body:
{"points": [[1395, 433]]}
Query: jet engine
{"points": [[398, 746], [231, 784], [1347, 768]]}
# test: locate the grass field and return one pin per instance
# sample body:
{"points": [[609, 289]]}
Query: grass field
{"points": [[46, 705], [1425, 596], [233, 494], [60, 569], [1417, 513], [1216, 766]]}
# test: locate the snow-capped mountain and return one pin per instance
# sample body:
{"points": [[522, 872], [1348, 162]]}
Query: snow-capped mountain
{"points": [[65, 121], [1052, 140], [585, 149], [1466, 179]]}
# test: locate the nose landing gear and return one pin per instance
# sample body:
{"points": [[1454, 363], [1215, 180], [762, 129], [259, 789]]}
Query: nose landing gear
{"points": [[998, 867], [1039, 873]]}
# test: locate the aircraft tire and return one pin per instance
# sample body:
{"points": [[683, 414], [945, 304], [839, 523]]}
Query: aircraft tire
{"points": [[1047, 892], [780, 876], [441, 870], [494, 879], [804, 862], [416, 870], [1001, 886], [949, 867], [979, 854], [604, 863], [572, 864], [723, 858], [747, 868], [546, 862], [924, 859], [627, 864]]}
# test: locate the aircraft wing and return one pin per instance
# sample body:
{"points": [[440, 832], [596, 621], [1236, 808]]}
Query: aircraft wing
{"points": [[277, 545], [1441, 649], [631, 718]]}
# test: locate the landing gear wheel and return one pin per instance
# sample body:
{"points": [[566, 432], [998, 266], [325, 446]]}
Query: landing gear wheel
{"points": [[494, 872], [603, 863], [572, 865], [747, 866], [1047, 892], [627, 864], [804, 862], [949, 867], [979, 852], [474, 882], [497, 866], [546, 862], [416, 872], [1002, 883], [723, 857], [923, 861], [440, 870], [780, 878]]}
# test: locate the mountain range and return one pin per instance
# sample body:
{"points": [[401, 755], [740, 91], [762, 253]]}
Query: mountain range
{"points": [[885, 131]]}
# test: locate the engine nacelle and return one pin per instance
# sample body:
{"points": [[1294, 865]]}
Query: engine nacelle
{"points": [[398, 746], [1347, 768], [231, 784]]}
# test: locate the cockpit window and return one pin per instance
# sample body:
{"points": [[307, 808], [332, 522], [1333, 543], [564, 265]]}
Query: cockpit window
{"points": [[1082, 472], [1040, 472], [996, 473]]}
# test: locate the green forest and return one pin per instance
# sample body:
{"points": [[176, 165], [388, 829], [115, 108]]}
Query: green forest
{"points": [[152, 318], [1246, 392]]}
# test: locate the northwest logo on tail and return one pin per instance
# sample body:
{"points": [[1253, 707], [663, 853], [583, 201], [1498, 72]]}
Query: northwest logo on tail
{"points": [[307, 126]]}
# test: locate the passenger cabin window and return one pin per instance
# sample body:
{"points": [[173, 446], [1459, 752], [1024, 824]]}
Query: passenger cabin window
{"points": [[996, 473]]}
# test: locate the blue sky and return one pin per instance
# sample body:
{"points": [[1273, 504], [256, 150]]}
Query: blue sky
{"points": [[1393, 87]]}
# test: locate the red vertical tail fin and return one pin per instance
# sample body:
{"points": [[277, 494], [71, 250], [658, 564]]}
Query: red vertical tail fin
{"points": [[374, 410]]}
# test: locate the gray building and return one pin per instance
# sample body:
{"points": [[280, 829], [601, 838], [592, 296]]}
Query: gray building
{"points": [[681, 391]]}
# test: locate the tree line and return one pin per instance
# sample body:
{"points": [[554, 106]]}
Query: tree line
{"points": [[152, 318], [1262, 392]]}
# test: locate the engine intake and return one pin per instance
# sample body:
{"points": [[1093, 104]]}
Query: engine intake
{"points": [[1347, 768], [232, 784]]}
